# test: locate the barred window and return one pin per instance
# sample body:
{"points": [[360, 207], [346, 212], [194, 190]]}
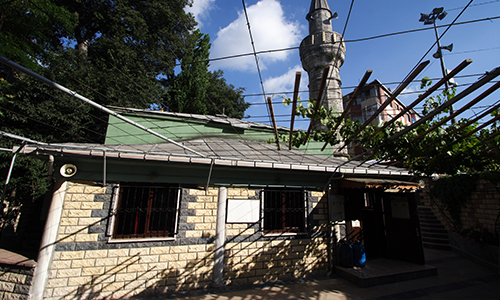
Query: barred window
{"points": [[146, 211], [284, 211]]}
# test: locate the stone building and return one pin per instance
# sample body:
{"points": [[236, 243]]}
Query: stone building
{"points": [[128, 218], [213, 204]]}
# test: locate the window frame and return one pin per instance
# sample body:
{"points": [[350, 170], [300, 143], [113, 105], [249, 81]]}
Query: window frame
{"points": [[115, 203], [284, 231]]}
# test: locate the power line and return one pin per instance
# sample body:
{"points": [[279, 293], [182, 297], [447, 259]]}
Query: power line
{"points": [[297, 47], [353, 40], [255, 55], [477, 4]]}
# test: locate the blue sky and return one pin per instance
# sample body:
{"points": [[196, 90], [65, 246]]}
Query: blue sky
{"points": [[278, 24]]}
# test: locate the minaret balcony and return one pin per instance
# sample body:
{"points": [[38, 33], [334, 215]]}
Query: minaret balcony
{"points": [[323, 37], [320, 49]]}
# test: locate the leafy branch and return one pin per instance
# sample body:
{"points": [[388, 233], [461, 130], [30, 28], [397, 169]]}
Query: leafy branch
{"points": [[449, 149]]}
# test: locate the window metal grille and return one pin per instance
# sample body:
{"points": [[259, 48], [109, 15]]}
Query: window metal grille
{"points": [[284, 211], [146, 211]]}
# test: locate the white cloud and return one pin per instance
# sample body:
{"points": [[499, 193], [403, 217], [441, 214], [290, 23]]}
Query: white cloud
{"points": [[200, 10], [270, 30], [286, 81]]}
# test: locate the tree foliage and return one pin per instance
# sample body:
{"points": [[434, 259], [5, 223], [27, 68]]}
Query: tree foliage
{"points": [[197, 90], [119, 53], [30, 30], [114, 52]]}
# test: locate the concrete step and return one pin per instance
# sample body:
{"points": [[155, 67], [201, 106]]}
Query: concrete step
{"points": [[434, 234], [437, 246], [428, 221], [383, 271], [435, 240]]}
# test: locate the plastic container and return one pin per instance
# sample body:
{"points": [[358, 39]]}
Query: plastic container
{"points": [[358, 254]]}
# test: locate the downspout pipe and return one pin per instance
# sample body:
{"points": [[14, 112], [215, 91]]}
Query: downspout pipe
{"points": [[220, 238], [48, 242]]}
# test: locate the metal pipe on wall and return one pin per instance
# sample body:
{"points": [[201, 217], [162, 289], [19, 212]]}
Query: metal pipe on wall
{"points": [[220, 238]]}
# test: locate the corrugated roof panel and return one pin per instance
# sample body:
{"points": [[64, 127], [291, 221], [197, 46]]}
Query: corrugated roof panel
{"points": [[299, 167], [222, 162], [130, 155], [156, 157], [282, 166], [226, 152]]}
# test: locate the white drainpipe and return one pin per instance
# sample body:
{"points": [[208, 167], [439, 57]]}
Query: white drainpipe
{"points": [[220, 238], [49, 237]]}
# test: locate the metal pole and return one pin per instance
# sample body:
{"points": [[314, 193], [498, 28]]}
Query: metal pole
{"points": [[443, 70], [9, 174], [294, 107]]}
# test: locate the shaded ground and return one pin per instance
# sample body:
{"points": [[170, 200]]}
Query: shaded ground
{"points": [[458, 278]]}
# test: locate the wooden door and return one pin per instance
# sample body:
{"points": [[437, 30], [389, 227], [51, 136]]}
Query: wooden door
{"points": [[404, 241]]}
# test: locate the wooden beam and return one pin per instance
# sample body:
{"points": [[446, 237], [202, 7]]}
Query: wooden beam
{"points": [[271, 111], [485, 79], [484, 114], [456, 113], [294, 106], [431, 90], [394, 95], [354, 94], [495, 119], [322, 85]]}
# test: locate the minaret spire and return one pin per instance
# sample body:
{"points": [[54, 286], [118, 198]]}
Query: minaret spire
{"points": [[317, 5], [320, 48]]}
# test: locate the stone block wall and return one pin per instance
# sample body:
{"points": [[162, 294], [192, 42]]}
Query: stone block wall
{"points": [[16, 275], [483, 207], [87, 265], [253, 257], [15, 281]]}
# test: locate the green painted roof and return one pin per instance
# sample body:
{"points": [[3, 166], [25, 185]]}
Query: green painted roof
{"points": [[185, 127]]}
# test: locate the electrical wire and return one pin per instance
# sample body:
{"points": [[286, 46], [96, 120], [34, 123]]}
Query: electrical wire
{"points": [[352, 40], [435, 43], [256, 58], [348, 41]]}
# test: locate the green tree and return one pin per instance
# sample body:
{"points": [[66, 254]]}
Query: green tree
{"points": [[115, 52], [123, 48], [30, 30], [225, 98], [197, 90], [187, 90]]}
